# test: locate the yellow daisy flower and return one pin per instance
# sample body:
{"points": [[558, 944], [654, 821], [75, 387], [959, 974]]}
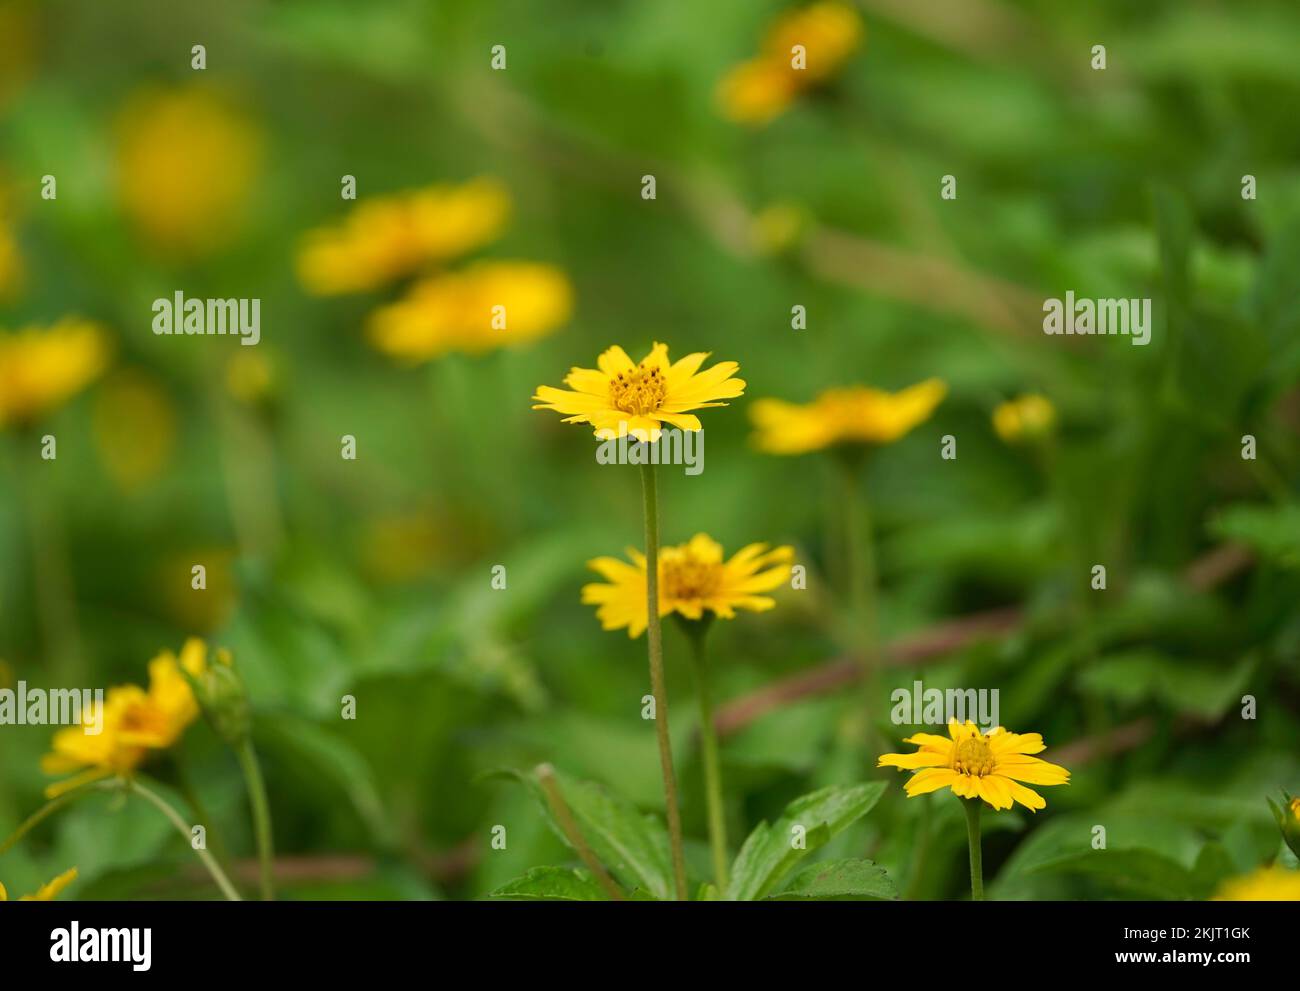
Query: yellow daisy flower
{"points": [[384, 238], [854, 415], [637, 399], [186, 164], [756, 91], [1024, 418], [1268, 884], [47, 892], [134, 723], [486, 305], [976, 765], [42, 367], [693, 577]]}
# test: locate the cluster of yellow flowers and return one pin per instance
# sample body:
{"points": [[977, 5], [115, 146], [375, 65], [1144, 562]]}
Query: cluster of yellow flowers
{"points": [[136, 722], [804, 47], [485, 305]]}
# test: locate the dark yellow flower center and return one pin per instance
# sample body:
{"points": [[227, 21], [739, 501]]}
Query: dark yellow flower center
{"points": [[690, 578], [639, 391], [973, 757]]}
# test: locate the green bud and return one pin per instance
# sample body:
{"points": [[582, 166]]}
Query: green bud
{"points": [[1288, 820], [223, 699]]}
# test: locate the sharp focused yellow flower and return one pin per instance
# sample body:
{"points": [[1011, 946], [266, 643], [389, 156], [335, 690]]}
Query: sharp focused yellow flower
{"points": [[47, 892], [693, 577], [1268, 884], [803, 47], [623, 397], [42, 367], [487, 305], [854, 415], [384, 238], [134, 722], [976, 765], [1024, 418], [186, 161]]}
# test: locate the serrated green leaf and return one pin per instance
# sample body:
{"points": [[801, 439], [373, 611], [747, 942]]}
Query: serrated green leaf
{"points": [[840, 880], [563, 884], [769, 853]]}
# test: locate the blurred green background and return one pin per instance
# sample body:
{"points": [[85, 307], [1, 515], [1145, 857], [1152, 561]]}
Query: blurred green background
{"points": [[372, 577]]}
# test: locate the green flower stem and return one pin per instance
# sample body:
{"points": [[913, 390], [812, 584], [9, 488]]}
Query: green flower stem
{"points": [[698, 631], [174, 817], [44, 812], [654, 635], [261, 814], [564, 816], [972, 809], [859, 553]]}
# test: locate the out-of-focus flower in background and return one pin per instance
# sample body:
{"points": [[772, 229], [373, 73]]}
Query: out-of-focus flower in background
{"points": [[1268, 884], [251, 376], [853, 415], [385, 238], [11, 262], [1025, 418], [46, 892], [134, 422], [486, 305], [190, 608], [693, 577], [135, 722], [802, 48], [42, 367], [186, 163], [18, 47]]}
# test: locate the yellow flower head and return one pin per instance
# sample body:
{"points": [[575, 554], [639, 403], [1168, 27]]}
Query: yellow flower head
{"points": [[134, 722], [803, 47], [1024, 418], [47, 892], [976, 765], [186, 161], [693, 577], [483, 306], [636, 399], [42, 367], [1268, 884], [385, 238], [855, 415]]}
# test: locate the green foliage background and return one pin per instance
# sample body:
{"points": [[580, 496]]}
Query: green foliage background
{"points": [[1117, 183]]}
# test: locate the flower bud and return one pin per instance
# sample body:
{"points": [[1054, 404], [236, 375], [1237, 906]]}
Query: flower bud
{"points": [[223, 698], [1288, 820]]}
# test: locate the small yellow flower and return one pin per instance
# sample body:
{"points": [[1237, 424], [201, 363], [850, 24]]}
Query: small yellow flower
{"points": [[803, 47], [486, 305], [186, 161], [250, 376], [47, 892], [693, 577], [385, 238], [854, 415], [43, 367], [1024, 418], [1268, 884], [134, 723], [135, 427], [976, 765], [628, 398]]}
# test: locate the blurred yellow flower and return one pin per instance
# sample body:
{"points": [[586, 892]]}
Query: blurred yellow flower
{"points": [[693, 577], [486, 305], [629, 398], [42, 367], [384, 238], [47, 892], [1024, 418], [135, 427], [134, 723], [186, 162], [11, 264], [18, 47], [1268, 884], [853, 415], [250, 375], [803, 47], [977, 765], [193, 609]]}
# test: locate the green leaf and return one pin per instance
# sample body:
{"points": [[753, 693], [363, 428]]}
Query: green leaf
{"points": [[840, 880], [1273, 531], [769, 852], [632, 846], [1140, 871], [553, 884]]}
